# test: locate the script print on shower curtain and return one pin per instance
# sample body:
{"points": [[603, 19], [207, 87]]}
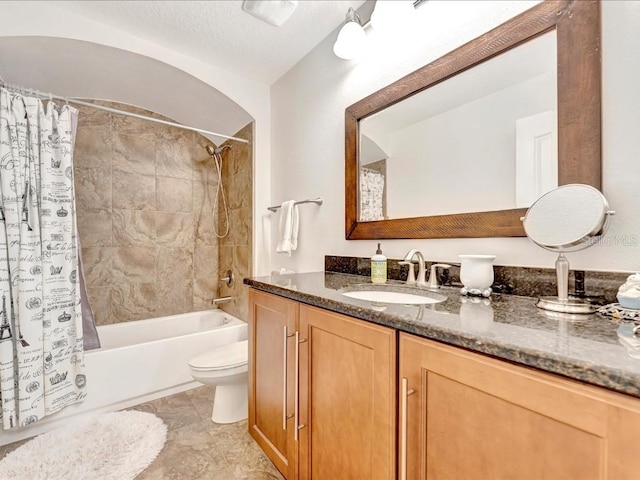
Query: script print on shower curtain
{"points": [[41, 355], [371, 195]]}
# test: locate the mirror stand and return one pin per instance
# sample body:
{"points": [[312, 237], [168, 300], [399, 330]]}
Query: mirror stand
{"points": [[563, 303], [568, 218]]}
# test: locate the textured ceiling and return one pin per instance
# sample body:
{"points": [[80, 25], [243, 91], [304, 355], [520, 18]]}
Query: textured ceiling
{"points": [[220, 33]]}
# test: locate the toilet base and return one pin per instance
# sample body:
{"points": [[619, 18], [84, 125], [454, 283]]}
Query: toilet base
{"points": [[230, 403]]}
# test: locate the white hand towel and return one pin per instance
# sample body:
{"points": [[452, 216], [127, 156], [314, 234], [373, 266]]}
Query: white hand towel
{"points": [[288, 227]]}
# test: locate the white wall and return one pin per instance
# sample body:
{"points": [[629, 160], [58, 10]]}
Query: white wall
{"points": [[308, 136], [44, 19], [463, 160]]}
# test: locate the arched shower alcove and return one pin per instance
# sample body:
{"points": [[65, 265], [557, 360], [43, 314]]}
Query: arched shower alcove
{"points": [[145, 191]]}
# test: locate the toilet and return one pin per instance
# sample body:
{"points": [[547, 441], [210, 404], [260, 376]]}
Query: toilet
{"points": [[226, 368]]}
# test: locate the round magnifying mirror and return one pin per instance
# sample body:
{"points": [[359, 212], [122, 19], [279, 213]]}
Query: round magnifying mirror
{"points": [[566, 219]]}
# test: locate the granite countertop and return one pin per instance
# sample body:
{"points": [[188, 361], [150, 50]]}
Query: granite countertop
{"points": [[587, 348]]}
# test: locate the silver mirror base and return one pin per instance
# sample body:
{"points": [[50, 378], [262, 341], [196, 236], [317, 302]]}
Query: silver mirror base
{"points": [[571, 305]]}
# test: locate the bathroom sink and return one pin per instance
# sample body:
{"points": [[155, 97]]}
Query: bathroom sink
{"points": [[398, 294]]}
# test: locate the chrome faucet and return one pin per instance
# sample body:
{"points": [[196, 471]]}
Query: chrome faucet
{"points": [[411, 275], [433, 276], [420, 280]]}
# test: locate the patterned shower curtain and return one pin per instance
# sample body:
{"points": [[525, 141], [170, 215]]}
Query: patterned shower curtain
{"points": [[371, 195], [41, 352]]}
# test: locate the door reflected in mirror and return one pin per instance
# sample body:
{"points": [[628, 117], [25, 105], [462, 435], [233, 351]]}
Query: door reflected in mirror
{"points": [[484, 140]]}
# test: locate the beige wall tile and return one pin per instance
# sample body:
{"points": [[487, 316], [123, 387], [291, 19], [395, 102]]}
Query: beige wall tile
{"points": [[204, 291], [173, 134], [228, 157], [240, 225], [242, 260], [225, 258], [229, 240], [205, 171], [97, 265], [205, 262], [93, 187], [239, 299], [174, 283], [100, 301], [174, 299], [174, 229], [173, 158], [204, 232], [94, 227], [226, 263], [174, 195], [173, 265], [134, 228], [93, 148], [145, 212], [133, 302], [130, 125], [134, 265], [203, 198], [243, 308], [132, 191], [134, 153], [90, 117], [235, 250], [240, 194]]}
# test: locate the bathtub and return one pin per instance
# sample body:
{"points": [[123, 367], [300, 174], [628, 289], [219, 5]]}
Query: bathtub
{"points": [[141, 361]]}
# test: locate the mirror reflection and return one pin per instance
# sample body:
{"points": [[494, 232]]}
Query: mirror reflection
{"points": [[483, 140], [576, 35]]}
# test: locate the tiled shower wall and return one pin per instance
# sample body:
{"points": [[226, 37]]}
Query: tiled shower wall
{"points": [[144, 197], [235, 249]]}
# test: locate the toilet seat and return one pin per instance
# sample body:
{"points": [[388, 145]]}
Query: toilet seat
{"points": [[222, 358]]}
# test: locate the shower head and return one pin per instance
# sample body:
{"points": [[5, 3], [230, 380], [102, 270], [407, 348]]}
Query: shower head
{"points": [[211, 150]]}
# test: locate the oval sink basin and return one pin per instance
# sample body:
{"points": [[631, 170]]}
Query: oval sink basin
{"points": [[392, 294]]}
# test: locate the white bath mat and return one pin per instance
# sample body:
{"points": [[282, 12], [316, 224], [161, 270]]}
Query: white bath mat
{"points": [[113, 446]]}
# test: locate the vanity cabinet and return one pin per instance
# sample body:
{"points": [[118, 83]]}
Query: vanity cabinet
{"points": [[465, 415], [322, 391], [272, 323]]}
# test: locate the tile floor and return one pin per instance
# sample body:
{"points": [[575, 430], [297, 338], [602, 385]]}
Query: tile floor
{"points": [[197, 448]]}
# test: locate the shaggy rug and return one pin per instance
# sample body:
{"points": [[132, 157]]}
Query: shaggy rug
{"points": [[113, 446]]}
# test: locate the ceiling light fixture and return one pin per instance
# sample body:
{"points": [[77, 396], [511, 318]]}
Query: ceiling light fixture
{"points": [[352, 38], [388, 17], [274, 12]]}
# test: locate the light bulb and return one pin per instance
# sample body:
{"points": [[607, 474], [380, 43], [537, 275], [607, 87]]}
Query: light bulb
{"points": [[350, 42], [392, 14]]}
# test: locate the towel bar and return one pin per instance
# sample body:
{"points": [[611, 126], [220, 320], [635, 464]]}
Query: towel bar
{"points": [[317, 201]]}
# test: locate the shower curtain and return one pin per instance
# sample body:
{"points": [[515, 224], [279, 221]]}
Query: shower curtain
{"points": [[371, 195], [41, 351]]}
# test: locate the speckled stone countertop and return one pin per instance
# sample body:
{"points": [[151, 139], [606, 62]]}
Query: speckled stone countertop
{"points": [[588, 348]]}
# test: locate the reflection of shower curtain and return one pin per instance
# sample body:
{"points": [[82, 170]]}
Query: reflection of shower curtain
{"points": [[371, 195], [41, 355]]}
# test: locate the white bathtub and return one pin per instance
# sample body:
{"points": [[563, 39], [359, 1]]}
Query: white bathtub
{"points": [[141, 361]]}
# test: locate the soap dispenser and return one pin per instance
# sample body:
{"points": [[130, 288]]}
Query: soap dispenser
{"points": [[378, 267]]}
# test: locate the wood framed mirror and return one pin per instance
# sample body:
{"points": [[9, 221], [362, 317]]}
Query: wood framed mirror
{"points": [[578, 84]]}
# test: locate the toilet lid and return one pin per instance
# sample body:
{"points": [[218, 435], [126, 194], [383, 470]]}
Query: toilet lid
{"points": [[226, 356]]}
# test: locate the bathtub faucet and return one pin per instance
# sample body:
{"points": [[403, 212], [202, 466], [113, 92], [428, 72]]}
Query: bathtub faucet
{"points": [[218, 301]]}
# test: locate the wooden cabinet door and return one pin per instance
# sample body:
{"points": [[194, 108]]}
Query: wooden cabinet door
{"points": [[347, 398], [473, 417], [273, 322]]}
